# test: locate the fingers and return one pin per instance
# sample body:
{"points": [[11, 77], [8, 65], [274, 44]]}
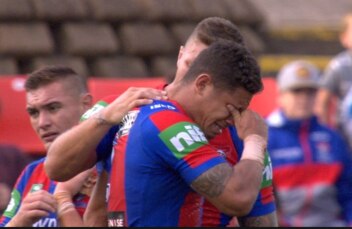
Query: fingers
{"points": [[146, 93], [74, 185], [41, 199], [248, 122], [234, 112], [134, 97], [35, 206], [131, 98]]}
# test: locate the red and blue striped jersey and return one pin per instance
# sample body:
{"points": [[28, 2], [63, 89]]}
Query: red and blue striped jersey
{"points": [[227, 144], [159, 153], [34, 178]]}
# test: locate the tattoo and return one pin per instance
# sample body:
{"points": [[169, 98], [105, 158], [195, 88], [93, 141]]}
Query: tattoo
{"points": [[269, 220], [100, 119], [212, 182]]}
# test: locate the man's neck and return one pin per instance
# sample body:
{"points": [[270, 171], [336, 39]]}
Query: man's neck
{"points": [[180, 93]]}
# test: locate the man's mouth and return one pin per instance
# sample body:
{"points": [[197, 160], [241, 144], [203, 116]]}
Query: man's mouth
{"points": [[49, 137]]}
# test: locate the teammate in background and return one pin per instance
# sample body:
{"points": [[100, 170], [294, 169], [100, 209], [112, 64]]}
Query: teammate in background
{"points": [[311, 162], [56, 99], [206, 32], [336, 79]]}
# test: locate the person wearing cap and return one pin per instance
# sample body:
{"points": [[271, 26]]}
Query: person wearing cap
{"points": [[312, 168]]}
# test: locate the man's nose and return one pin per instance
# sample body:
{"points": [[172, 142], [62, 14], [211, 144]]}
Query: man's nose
{"points": [[44, 120]]}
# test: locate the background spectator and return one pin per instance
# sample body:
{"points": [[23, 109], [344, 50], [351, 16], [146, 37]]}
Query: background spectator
{"points": [[346, 117], [337, 78], [311, 162]]}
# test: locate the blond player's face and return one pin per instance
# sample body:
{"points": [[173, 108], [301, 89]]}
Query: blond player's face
{"points": [[186, 56]]}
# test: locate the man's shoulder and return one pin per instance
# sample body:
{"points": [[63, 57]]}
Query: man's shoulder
{"points": [[341, 60], [165, 112], [35, 168], [36, 163], [161, 108]]}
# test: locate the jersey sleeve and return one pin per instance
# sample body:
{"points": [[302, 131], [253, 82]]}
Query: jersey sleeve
{"points": [[265, 202], [181, 144]]}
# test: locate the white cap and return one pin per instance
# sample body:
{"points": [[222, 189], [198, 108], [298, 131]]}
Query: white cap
{"points": [[298, 74]]}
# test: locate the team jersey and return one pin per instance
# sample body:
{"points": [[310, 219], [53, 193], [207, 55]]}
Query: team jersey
{"points": [[34, 178], [312, 172], [227, 144], [156, 159]]}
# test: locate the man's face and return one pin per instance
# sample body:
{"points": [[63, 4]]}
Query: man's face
{"points": [[213, 115], [187, 55], [53, 110], [298, 103]]}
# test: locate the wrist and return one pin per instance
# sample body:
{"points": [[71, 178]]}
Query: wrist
{"points": [[254, 148], [64, 202], [101, 119], [15, 222]]}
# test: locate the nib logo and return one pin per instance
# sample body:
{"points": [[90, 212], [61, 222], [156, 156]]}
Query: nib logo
{"points": [[183, 138]]}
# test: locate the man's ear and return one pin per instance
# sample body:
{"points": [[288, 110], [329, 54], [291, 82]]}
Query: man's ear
{"points": [[87, 101], [180, 53], [202, 83]]}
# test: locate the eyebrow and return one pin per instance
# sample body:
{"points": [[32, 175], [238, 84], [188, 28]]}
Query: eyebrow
{"points": [[45, 105]]}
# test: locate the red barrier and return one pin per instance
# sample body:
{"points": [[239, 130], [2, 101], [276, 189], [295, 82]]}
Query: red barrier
{"points": [[100, 87], [265, 101], [15, 127]]}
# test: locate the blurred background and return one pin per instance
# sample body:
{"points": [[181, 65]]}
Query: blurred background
{"points": [[108, 40], [141, 38]]}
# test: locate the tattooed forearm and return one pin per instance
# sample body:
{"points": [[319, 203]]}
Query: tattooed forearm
{"points": [[212, 182], [269, 220]]}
